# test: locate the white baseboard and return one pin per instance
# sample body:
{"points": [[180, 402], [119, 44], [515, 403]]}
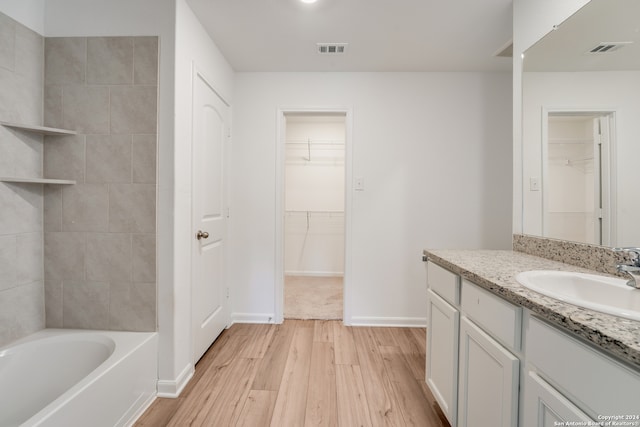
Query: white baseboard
{"points": [[252, 318], [407, 322], [315, 273], [173, 388]]}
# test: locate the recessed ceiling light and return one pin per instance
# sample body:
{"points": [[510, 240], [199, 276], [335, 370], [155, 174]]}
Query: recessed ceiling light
{"points": [[308, 1]]}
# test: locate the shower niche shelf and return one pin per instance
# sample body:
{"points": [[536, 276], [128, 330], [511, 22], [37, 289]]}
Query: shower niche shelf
{"points": [[15, 180], [42, 130]]}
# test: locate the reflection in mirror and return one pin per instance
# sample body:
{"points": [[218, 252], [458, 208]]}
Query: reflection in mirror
{"points": [[581, 127]]}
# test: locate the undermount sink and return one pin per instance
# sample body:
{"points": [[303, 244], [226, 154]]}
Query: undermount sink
{"points": [[604, 294]]}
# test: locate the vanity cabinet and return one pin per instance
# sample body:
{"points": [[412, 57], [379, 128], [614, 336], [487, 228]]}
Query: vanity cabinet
{"points": [[470, 369], [488, 370], [567, 380], [443, 298]]}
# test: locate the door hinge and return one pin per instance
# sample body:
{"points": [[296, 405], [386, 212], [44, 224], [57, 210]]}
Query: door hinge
{"points": [[227, 212], [227, 293]]}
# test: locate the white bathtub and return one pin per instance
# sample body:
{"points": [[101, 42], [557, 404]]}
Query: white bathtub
{"points": [[68, 378]]}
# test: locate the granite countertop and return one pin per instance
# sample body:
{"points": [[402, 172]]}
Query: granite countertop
{"points": [[495, 270]]}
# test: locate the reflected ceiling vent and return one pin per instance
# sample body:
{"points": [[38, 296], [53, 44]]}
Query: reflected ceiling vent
{"points": [[608, 47], [332, 48]]}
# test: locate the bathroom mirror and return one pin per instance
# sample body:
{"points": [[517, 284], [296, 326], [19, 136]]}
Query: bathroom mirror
{"points": [[581, 128]]}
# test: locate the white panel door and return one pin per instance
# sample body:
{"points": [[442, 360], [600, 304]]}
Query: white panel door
{"points": [[489, 378], [209, 290], [442, 354], [544, 406]]}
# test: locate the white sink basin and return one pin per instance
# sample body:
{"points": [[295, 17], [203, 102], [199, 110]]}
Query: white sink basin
{"points": [[604, 294]]}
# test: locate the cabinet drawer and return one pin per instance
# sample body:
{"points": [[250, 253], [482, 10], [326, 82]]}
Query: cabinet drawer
{"points": [[501, 319], [444, 283], [597, 384]]}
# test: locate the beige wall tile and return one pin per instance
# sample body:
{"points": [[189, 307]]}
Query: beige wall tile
{"points": [[85, 207], [65, 60], [30, 54], [64, 256], [53, 303], [24, 149], [7, 42], [144, 257], [146, 60], [8, 214], [21, 311], [110, 60], [64, 157], [30, 258], [133, 307], [108, 158], [108, 257], [132, 208], [86, 108], [133, 109], [85, 304], [52, 208], [143, 153], [53, 106], [8, 262], [28, 203]]}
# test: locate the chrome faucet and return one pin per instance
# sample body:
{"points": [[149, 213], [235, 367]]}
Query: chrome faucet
{"points": [[632, 269]]}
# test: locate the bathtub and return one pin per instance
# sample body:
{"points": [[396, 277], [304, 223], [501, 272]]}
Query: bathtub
{"points": [[62, 377]]}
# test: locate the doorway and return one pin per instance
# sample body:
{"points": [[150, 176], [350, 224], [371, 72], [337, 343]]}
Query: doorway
{"points": [[577, 181], [314, 214]]}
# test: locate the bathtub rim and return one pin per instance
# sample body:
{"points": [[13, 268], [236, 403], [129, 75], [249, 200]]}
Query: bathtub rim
{"points": [[126, 343]]}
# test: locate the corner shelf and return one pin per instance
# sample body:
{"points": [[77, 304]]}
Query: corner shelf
{"points": [[43, 130], [36, 180]]}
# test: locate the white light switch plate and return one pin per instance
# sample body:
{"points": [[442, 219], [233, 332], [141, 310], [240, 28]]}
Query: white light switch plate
{"points": [[534, 183], [358, 184]]}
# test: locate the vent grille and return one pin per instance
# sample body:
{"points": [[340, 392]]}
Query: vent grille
{"points": [[608, 47], [332, 48]]}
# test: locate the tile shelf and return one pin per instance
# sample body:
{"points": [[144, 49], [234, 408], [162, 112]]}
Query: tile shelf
{"points": [[43, 130], [36, 180]]}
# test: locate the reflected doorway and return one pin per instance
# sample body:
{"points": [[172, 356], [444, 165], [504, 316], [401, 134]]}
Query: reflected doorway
{"points": [[576, 177]]}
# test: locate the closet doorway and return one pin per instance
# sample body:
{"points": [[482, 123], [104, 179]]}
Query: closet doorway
{"points": [[314, 214]]}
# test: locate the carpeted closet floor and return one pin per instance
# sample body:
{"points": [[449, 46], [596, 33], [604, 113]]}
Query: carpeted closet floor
{"points": [[313, 297]]}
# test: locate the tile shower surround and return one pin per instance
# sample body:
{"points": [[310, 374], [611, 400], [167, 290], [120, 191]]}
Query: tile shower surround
{"points": [[99, 239], [21, 255], [96, 268]]}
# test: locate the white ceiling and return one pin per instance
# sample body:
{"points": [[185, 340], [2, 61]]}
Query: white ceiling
{"points": [[383, 35], [599, 21]]}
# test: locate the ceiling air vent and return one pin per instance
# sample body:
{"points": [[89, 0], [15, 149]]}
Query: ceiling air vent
{"points": [[332, 48], [608, 47]]}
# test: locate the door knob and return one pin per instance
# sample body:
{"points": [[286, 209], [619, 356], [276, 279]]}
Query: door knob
{"points": [[202, 235]]}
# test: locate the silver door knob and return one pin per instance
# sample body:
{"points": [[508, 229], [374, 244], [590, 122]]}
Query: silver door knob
{"points": [[202, 235]]}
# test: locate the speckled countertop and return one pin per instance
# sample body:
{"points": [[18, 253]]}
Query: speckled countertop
{"points": [[496, 270]]}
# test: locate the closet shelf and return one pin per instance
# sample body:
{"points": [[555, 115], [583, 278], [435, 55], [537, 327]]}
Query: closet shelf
{"points": [[43, 130], [36, 180]]}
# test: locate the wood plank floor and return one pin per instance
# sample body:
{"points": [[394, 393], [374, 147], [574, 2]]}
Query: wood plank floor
{"points": [[306, 373]]}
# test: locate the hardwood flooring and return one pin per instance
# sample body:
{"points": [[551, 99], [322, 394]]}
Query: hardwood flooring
{"points": [[306, 373]]}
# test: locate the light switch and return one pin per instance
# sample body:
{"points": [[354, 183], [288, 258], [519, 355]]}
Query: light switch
{"points": [[359, 184], [534, 183]]}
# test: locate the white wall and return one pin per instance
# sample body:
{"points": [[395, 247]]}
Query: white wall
{"points": [[193, 48], [585, 90], [434, 150], [532, 19], [29, 13]]}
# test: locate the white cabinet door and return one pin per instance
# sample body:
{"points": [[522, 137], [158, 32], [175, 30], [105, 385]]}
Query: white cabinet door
{"points": [[489, 377], [544, 406], [442, 354]]}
